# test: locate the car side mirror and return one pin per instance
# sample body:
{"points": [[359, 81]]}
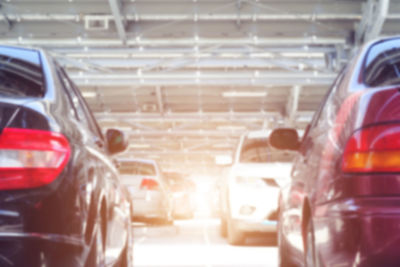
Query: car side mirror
{"points": [[285, 139], [116, 141]]}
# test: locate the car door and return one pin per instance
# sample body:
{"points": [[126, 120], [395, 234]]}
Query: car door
{"points": [[305, 172], [89, 182], [105, 171]]}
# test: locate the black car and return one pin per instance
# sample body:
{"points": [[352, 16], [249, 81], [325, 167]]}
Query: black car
{"points": [[61, 202]]}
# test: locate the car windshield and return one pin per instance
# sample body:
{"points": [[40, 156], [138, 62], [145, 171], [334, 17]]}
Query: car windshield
{"points": [[20, 73], [259, 151], [137, 168], [382, 66]]}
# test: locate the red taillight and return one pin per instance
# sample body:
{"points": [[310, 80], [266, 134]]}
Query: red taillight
{"points": [[31, 158], [373, 149], [149, 184]]}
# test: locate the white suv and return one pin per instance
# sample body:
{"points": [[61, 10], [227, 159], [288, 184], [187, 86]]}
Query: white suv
{"points": [[249, 194]]}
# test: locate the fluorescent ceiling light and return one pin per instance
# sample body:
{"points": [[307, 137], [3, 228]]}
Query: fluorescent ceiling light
{"points": [[244, 94], [231, 55], [223, 159], [231, 128], [308, 54], [139, 146], [122, 128], [259, 134], [89, 94], [262, 55]]}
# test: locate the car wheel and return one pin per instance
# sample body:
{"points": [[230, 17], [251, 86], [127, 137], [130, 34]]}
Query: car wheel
{"points": [[222, 227], [235, 236], [311, 258], [127, 258], [127, 254], [96, 256], [284, 257]]}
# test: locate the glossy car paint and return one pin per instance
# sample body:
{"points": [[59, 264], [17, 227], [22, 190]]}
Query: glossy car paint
{"points": [[333, 218], [54, 225]]}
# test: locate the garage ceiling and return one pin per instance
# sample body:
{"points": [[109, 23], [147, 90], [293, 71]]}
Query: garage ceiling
{"points": [[184, 78]]}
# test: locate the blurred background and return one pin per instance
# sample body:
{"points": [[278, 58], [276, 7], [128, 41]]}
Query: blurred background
{"points": [[185, 80]]}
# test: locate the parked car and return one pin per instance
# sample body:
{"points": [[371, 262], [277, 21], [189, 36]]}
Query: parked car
{"points": [[341, 207], [60, 195], [182, 192], [249, 194], [148, 189]]}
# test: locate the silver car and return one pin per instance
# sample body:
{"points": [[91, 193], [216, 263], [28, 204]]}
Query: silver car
{"points": [[148, 189]]}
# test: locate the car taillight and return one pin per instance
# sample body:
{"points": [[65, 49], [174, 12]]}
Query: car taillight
{"points": [[31, 158], [373, 149], [149, 184]]}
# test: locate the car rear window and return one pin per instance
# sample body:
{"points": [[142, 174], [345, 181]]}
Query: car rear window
{"points": [[259, 151], [137, 168], [382, 64], [21, 73]]}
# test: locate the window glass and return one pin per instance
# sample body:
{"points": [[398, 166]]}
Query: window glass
{"points": [[259, 151], [83, 113], [137, 168], [382, 65], [307, 142], [79, 111], [21, 73]]}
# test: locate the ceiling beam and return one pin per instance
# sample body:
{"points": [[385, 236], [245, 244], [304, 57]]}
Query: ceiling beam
{"points": [[292, 105], [374, 15], [211, 61], [115, 6], [184, 17], [174, 51], [166, 42], [178, 152], [160, 78], [209, 117], [160, 101]]}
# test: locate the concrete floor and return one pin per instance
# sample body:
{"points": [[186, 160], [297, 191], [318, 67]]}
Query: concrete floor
{"points": [[197, 243]]}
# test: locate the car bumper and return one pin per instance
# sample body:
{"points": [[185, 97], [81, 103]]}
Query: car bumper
{"points": [[363, 232], [264, 226], [34, 249], [148, 209]]}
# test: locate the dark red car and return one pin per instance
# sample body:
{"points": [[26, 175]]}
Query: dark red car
{"points": [[342, 206]]}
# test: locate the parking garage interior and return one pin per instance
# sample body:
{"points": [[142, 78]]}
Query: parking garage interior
{"points": [[184, 79]]}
